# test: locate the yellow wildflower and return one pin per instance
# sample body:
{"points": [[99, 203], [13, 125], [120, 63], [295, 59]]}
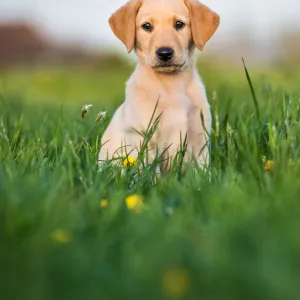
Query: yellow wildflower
{"points": [[129, 161], [176, 282], [135, 203], [104, 203], [60, 236], [269, 165]]}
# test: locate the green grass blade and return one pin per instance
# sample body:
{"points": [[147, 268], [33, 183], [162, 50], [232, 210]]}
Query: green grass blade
{"points": [[252, 91]]}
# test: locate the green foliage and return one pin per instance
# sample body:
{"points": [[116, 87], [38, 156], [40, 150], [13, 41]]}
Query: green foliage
{"points": [[230, 232]]}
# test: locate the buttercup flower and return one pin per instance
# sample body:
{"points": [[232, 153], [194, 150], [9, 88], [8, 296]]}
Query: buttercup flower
{"points": [[104, 203], [85, 110], [135, 203], [60, 236], [129, 161], [269, 165], [100, 116], [176, 282]]}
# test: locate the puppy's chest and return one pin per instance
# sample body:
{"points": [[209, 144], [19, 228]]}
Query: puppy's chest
{"points": [[174, 111], [179, 102], [178, 105]]}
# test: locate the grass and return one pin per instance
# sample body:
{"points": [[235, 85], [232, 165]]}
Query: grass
{"points": [[67, 231]]}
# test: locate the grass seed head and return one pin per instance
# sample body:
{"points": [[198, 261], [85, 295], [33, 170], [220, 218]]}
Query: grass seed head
{"points": [[85, 110]]}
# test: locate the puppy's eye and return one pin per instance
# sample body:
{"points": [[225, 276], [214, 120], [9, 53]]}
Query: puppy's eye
{"points": [[147, 27], [179, 25]]}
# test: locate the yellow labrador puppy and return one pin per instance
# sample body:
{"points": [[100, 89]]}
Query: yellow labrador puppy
{"points": [[164, 34]]}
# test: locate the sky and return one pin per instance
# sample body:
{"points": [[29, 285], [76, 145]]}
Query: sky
{"points": [[85, 21]]}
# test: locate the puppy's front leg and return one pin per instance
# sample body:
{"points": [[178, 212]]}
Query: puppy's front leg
{"points": [[198, 135], [172, 134]]}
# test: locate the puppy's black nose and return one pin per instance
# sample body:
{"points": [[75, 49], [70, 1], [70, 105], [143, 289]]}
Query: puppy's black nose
{"points": [[165, 53]]}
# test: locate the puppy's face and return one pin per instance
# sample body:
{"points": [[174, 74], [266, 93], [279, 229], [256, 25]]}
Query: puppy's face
{"points": [[164, 32], [163, 35]]}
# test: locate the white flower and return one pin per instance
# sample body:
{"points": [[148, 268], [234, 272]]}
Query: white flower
{"points": [[85, 109], [101, 115]]}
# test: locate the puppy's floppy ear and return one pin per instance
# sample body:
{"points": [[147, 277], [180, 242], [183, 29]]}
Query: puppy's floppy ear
{"points": [[204, 22], [122, 23]]}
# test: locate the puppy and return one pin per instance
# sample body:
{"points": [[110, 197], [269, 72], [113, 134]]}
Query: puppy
{"points": [[164, 35]]}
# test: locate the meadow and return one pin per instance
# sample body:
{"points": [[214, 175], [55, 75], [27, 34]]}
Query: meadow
{"points": [[68, 231]]}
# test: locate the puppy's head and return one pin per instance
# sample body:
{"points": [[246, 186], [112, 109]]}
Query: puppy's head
{"points": [[164, 32]]}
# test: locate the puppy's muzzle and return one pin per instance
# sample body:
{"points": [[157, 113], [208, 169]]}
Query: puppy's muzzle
{"points": [[165, 53]]}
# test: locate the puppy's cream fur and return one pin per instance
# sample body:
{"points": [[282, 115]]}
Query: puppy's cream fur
{"points": [[174, 83]]}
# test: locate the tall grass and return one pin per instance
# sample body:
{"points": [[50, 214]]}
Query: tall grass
{"points": [[230, 233]]}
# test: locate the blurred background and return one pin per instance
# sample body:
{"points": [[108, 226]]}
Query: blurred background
{"points": [[50, 35], [257, 29]]}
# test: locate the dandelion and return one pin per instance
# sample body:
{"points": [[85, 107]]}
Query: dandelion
{"points": [[85, 110], [176, 283], [129, 161], [60, 236], [135, 203], [269, 165], [103, 203], [101, 115]]}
